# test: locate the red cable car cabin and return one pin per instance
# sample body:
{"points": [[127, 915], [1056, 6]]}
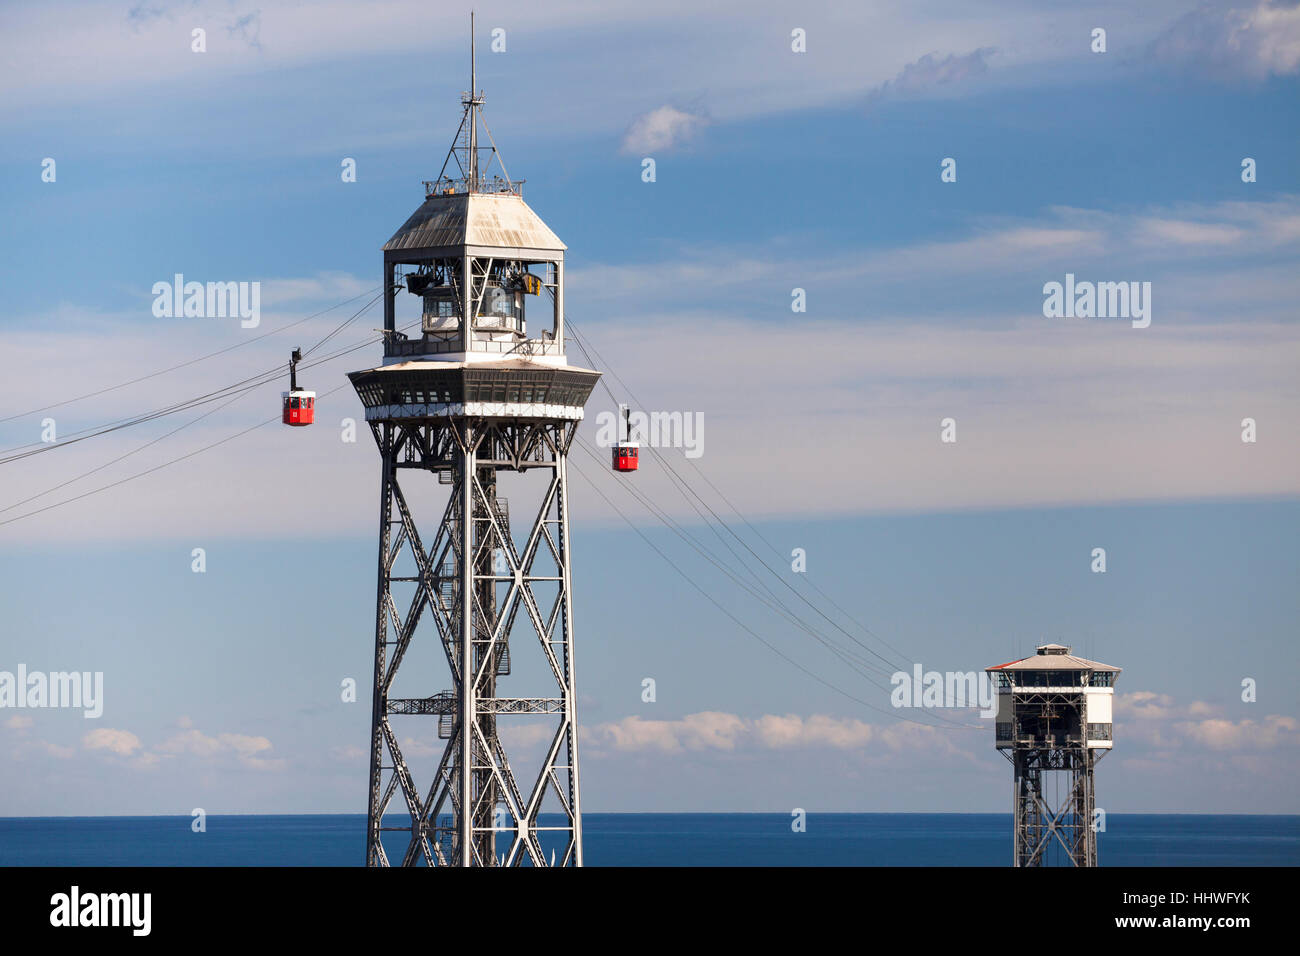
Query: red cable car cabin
{"points": [[625, 456], [299, 407], [299, 403], [626, 451]]}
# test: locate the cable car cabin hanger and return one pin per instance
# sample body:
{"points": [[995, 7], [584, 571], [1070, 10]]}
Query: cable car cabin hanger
{"points": [[626, 451], [299, 403]]}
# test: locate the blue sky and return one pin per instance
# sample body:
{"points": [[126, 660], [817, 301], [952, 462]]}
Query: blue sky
{"points": [[775, 170]]}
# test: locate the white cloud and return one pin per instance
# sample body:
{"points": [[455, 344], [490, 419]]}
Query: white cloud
{"points": [[249, 751], [1144, 705], [120, 742], [1251, 41], [1269, 733], [1049, 412], [662, 129], [1166, 725], [707, 730], [792, 730]]}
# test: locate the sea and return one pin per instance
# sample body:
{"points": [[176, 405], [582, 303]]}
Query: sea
{"points": [[659, 839]]}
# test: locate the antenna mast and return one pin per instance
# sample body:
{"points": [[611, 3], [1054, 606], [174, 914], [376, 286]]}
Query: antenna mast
{"points": [[471, 170], [473, 104]]}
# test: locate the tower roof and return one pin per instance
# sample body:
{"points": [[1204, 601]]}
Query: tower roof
{"points": [[492, 220], [1053, 657]]}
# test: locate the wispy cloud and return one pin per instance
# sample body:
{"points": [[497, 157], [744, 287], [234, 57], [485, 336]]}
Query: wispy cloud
{"points": [[720, 731], [933, 73], [1234, 41], [1164, 237], [1179, 232], [248, 28], [738, 52], [890, 361]]}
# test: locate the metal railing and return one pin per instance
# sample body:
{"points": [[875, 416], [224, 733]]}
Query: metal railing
{"points": [[395, 347], [448, 186]]}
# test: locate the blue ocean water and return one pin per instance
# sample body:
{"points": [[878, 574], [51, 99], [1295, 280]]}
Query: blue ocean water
{"points": [[660, 839]]}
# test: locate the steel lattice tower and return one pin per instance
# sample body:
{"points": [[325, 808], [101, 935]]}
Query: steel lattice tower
{"points": [[473, 401], [1054, 716]]}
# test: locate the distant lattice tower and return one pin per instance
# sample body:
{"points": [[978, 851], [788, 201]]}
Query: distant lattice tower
{"points": [[1054, 716], [478, 394]]}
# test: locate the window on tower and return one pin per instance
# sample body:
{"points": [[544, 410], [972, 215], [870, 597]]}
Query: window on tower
{"points": [[441, 311]]}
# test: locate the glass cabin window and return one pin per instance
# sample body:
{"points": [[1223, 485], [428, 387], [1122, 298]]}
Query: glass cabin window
{"points": [[501, 309], [441, 311]]}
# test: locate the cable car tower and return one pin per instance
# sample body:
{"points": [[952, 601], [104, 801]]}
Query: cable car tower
{"points": [[474, 400], [1054, 715]]}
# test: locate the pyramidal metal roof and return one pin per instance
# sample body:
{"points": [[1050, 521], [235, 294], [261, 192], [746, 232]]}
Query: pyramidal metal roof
{"points": [[1053, 657], [502, 220]]}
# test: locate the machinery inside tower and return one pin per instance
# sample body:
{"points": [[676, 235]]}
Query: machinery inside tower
{"points": [[497, 293]]}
